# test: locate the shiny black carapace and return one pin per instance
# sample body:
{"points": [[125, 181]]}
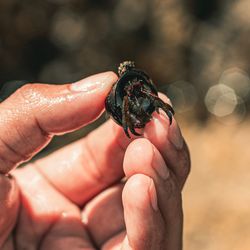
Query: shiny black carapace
{"points": [[133, 99]]}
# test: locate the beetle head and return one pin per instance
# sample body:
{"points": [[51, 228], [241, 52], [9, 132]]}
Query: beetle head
{"points": [[124, 66]]}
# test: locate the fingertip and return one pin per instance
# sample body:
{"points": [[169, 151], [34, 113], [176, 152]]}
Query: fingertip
{"points": [[157, 130], [174, 132], [139, 154], [145, 192], [101, 81], [165, 98], [138, 182], [144, 158], [135, 192], [113, 75]]}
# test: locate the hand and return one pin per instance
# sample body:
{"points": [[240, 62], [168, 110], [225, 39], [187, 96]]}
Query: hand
{"points": [[77, 198]]}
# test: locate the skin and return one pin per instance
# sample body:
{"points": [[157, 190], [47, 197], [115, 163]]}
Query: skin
{"points": [[77, 197]]}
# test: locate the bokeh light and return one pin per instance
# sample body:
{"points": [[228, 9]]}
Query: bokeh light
{"points": [[183, 96], [227, 99], [238, 80], [67, 22], [223, 102]]}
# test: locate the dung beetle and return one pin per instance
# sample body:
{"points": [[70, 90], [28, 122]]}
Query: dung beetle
{"points": [[133, 99]]}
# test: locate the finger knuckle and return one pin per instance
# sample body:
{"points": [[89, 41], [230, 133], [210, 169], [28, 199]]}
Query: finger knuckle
{"points": [[96, 172], [186, 163], [29, 93], [9, 156], [25, 89], [171, 188]]}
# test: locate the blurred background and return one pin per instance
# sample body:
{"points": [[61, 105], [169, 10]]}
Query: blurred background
{"points": [[196, 51]]}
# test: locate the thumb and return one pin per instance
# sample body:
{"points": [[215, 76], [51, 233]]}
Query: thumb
{"points": [[33, 114]]}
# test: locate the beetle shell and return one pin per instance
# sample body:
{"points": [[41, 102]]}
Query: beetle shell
{"points": [[113, 103], [133, 99]]}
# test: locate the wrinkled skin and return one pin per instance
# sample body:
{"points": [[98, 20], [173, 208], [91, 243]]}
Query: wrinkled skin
{"points": [[77, 197]]}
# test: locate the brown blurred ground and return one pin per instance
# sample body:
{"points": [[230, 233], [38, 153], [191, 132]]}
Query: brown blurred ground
{"points": [[217, 193]]}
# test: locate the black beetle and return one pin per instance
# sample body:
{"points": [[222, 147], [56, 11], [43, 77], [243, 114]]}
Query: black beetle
{"points": [[133, 99]]}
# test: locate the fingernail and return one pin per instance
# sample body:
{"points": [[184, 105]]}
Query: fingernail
{"points": [[95, 82], [175, 135], [159, 165], [169, 102], [153, 195]]}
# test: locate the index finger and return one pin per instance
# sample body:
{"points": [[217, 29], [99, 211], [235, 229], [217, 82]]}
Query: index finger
{"points": [[33, 114], [171, 144]]}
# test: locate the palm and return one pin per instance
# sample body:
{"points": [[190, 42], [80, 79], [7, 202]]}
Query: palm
{"points": [[48, 220]]}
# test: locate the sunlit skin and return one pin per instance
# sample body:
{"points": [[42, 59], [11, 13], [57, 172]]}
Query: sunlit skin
{"points": [[77, 197]]}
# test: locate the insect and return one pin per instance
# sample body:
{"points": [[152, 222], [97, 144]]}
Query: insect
{"points": [[133, 99]]}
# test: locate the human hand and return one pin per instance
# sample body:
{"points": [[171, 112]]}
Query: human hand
{"points": [[76, 198]]}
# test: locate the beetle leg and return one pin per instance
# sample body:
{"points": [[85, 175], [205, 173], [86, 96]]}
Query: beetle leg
{"points": [[158, 103], [132, 130], [107, 115], [157, 110], [125, 115], [130, 123], [126, 118]]}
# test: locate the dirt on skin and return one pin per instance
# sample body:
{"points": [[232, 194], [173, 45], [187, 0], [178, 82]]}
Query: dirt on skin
{"points": [[217, 194]]}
